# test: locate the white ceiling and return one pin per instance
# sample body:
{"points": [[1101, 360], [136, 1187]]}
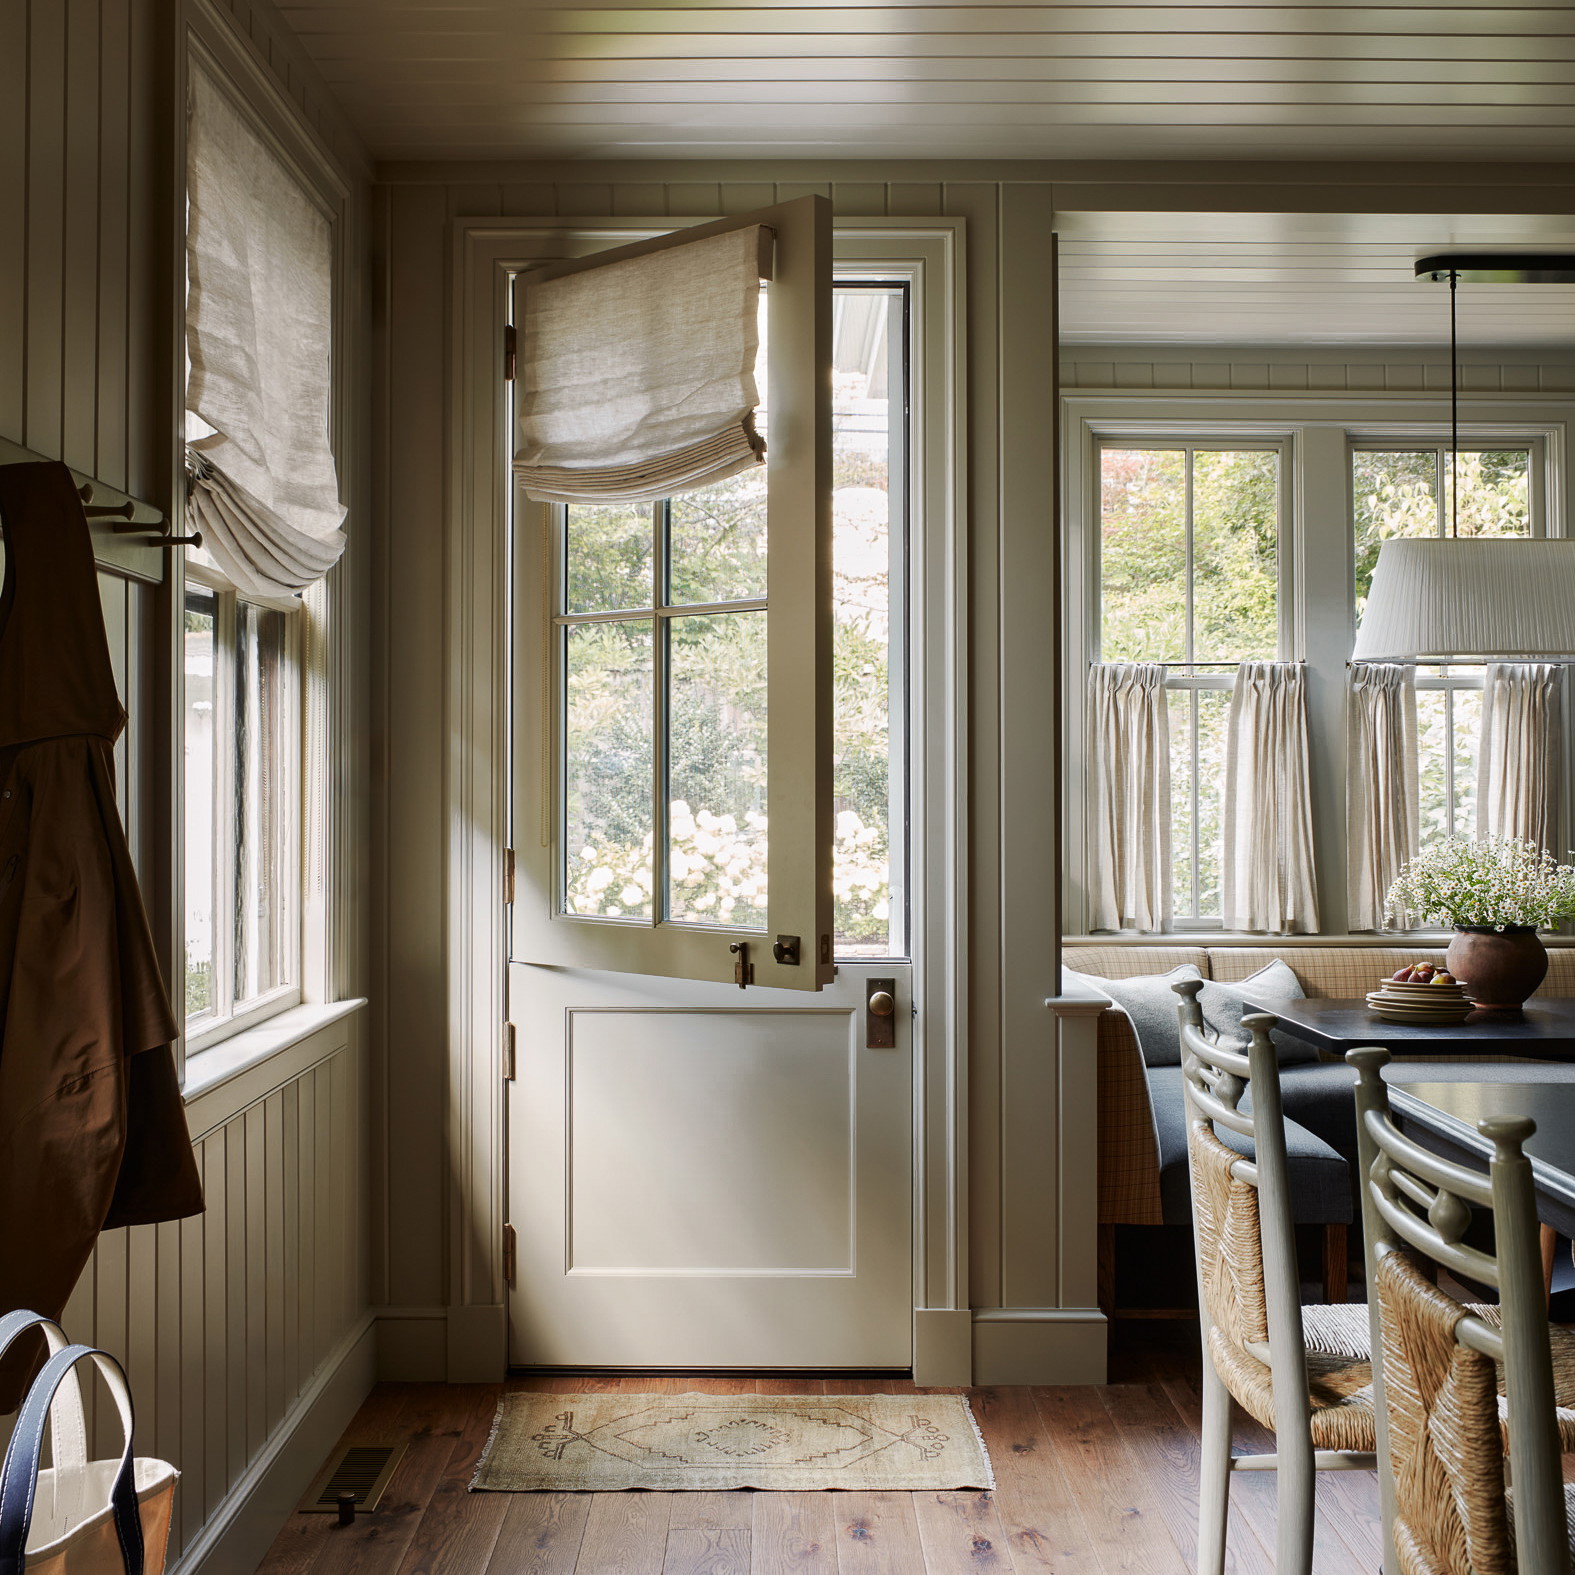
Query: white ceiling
{"points": [[465, 79], [705, 79]]}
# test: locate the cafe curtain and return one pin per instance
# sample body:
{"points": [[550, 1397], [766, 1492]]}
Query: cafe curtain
{"points": [[1518, 757], [1381, 794], [1267, 874], [1129, 796], [638, 377], [259, 332]]}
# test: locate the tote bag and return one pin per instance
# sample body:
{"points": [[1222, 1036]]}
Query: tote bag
{"points": [[77, 1516]]}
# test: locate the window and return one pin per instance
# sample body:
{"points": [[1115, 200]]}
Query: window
{"points": [[662, 631], [243, 797], [1189, 575], [1408, 490]]}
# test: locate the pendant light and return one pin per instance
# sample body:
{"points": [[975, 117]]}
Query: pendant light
{"points": [[1441, 598]]}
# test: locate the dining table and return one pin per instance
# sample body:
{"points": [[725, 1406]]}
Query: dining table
{"points": [[1543, 1029]]}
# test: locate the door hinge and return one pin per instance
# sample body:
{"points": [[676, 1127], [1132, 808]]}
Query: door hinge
{"points": [[508, 1052], [510, 339], [510, 1254], [508, 877]]}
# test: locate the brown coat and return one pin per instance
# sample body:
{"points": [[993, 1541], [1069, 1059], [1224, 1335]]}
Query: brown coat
{"points": [[92, 1129]]}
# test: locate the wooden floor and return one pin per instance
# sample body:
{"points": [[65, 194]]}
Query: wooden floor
{"points": [[1089, 1481]]}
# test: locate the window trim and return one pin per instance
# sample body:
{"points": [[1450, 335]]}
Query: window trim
{"points": [[1321, 431]]}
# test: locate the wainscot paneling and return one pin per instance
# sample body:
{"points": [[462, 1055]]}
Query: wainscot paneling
{"points": [[230, 1321]]}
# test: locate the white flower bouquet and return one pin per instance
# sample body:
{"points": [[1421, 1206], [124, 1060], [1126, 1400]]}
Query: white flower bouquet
{"points": [[1500, 883]]}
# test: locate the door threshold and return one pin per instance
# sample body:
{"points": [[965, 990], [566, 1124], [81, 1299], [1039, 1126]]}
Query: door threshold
{"points": [[807, 1373]]}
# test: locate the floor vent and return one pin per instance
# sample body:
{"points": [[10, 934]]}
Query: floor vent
{"points": [[361, 1469]]}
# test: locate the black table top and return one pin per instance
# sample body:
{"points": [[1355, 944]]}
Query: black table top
{"points": [[1450, 1112], [1545, 1028]]}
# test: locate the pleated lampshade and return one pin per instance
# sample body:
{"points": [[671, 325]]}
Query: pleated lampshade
{"points": [[1434, 598]]}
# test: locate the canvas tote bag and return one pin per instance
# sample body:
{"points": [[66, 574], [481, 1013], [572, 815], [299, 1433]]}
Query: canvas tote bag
{"points": [[77, 1516]]}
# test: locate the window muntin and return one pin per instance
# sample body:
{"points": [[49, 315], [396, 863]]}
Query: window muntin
{"points": [[663, 614], [242, 810], [1189, 536]]}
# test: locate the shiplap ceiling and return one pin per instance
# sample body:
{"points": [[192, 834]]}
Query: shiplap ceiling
{"points": [[1492, 84], [465, 79], [1298, 278]]}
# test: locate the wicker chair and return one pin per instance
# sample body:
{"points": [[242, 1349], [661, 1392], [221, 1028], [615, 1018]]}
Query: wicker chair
{"points": [[1441, 1428], [1301, 1371]]}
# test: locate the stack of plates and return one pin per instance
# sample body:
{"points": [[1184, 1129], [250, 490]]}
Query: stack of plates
{"points": [[1420, 1003]]}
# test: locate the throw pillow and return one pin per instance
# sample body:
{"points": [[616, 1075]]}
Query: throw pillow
{"points": [[1150, 1003], [1224, 1006]]}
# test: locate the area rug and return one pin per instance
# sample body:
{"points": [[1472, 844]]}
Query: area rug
{"points": [[610, 1443]]}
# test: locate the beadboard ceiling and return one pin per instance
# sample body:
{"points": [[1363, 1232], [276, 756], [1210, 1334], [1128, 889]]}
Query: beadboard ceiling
{"points": [[465, 79], [1488, 86]]}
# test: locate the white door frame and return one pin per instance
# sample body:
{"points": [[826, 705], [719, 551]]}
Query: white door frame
{"points": [[930, 254]]}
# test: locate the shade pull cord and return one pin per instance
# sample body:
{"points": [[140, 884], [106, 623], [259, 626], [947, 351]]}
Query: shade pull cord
{"points": [[1454, 412]]}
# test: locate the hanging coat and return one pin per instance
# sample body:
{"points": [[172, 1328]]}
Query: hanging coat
{"points": [[92, 1128]]}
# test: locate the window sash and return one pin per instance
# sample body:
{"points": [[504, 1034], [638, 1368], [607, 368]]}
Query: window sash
{"points": [[227, 1014]]}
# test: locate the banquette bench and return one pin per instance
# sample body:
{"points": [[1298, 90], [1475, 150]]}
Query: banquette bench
{"points": [[1142, 1169]]}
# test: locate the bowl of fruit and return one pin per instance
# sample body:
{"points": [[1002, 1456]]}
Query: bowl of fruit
{"points": [[1421, 993]]}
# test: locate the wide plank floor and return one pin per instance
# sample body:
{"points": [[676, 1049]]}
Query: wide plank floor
{"points": [[1089, 1481]]}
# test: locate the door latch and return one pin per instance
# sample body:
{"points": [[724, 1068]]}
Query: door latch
{"points": [[743, 969], [880, 1014]]}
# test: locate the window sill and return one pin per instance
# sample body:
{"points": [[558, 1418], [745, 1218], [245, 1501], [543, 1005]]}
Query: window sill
{"points": [[249, 1047]]}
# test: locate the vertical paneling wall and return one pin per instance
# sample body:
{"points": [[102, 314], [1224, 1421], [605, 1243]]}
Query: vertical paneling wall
{"points": [[227, 1322], [224, 1320]]}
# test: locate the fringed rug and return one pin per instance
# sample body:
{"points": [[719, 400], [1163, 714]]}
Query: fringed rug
{"points": [[609, 1443]]}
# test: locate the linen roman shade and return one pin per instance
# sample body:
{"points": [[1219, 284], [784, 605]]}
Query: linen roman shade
{"points": [[259, 328], [638, 375]]}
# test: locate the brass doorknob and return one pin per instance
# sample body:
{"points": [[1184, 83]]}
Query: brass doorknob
{"points": [[882, 1003]]}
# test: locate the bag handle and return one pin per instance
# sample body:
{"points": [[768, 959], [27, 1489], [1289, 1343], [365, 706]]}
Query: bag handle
{"points": [[19, 1474], [67, 1422]]}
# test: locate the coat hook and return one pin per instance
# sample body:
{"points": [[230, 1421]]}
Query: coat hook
{"points": [[85, 492], [126, 511]]}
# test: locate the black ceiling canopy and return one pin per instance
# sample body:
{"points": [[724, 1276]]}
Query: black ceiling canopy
{"points": [[1499, 267]]}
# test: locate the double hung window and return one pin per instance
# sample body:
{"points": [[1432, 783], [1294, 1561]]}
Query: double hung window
{"points": [[1410, 489], [1189, 576]]}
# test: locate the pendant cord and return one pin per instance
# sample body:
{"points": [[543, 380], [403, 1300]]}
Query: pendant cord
{"points": [[1454, 412]]}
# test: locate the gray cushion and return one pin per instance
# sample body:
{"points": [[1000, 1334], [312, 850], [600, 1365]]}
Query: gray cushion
{"points": [[1224, 1006], [1151, 1004], [1319, 1095], [1320, 1177]]}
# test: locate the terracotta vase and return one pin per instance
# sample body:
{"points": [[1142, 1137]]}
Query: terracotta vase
{"points": [[1499, 968]]}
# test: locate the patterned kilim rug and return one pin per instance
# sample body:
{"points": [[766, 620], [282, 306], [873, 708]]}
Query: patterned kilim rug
{"points": [[609, 1443]]}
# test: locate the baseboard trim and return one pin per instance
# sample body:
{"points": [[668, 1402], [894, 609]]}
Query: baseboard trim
{"points": [[1039, 1345], [238, 1533]]}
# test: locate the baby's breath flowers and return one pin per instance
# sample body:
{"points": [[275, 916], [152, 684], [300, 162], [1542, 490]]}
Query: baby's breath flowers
{"points": [[1494, 884]]}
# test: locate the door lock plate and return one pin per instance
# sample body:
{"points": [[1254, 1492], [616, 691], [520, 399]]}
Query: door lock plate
{"points": [[880, 1014]]}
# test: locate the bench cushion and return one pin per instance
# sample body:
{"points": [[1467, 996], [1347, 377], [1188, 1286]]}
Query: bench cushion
{"points": [[1320, 1177]]}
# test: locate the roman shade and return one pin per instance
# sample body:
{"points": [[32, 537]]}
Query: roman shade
{"points": [[259, 328], [638, 375]]}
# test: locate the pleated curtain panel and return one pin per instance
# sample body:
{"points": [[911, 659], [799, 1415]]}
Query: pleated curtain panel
{"points": [[1129, 786], [1267, 874], [1381, 792], [259, 335], [1518, 764], [638, 377]]}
